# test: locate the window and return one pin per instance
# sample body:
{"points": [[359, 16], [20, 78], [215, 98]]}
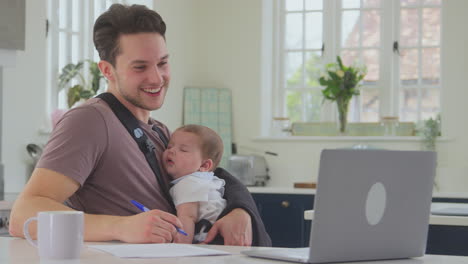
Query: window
{"points": [[398, 41], [70, 38]]}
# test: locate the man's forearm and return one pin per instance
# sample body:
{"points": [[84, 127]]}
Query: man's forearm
{"points": [[97, 227]]}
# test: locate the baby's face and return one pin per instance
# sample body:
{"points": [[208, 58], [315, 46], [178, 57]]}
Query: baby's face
{"points": [[183, 154]]}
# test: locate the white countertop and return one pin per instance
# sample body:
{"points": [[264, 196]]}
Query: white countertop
{"points": [[433, 219], [18, 251], [291, 190]]}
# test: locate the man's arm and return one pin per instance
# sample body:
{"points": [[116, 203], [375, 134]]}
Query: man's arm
{"points": [[240, 222], [47, 190]]}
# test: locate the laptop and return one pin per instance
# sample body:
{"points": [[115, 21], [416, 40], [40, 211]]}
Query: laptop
{"points": [[369, 205]]}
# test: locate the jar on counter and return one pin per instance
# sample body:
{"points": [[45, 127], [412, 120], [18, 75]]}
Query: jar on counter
{"points": [[390, 125], [281, 126]]}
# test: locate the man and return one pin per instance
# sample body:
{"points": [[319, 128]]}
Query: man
{"points": [[91, 162]]}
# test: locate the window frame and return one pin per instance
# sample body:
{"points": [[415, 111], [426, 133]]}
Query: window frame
{"points": [[88, 12], [389, 74]]}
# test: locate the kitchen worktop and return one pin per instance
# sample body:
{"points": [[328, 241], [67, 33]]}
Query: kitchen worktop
{"points": [[291, 190]]}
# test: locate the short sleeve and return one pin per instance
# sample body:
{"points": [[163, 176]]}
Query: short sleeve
{"points": [[76, 144], [190, 189]]}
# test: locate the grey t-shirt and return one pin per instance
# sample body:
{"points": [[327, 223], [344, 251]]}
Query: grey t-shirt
{"points": [[91, 146]]}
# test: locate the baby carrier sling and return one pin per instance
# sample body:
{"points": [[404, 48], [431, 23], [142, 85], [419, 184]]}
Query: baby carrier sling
{"points": [[146, 146]]}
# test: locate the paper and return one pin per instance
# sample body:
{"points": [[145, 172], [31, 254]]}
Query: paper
{"points": [[157, 250]]}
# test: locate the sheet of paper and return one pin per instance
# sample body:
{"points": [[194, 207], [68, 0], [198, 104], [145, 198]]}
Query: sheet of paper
{"points": [[157, 250]]}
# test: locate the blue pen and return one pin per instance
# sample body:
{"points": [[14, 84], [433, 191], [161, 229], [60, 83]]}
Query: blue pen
{"points": [[145, 209]]}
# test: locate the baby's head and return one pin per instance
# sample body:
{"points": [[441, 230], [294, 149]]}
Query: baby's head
{"points": [[192, 148]]}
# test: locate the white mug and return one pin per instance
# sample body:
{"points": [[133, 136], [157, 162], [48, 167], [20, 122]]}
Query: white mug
{"points": [[59, 234]]}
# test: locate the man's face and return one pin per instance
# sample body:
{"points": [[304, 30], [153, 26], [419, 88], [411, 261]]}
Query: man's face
{"points": [[142, 71], [183, 154]]}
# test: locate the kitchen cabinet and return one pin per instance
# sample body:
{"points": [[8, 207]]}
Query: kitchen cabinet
{"points": [[448, 239], [283, 216]]}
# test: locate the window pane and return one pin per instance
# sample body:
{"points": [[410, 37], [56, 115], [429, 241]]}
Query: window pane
{"points": [[76, 15], [409, 66], [294, 105], [372, 61], [371, 3], [350, 29], [409, 105], [430, 103], [293, 69], [63, 47], [409, 27], [62, 99], [63, 5], [431, 26], [313, 105], [98, 8], [351, 3], [313, 68], [75, 49], [294, 5], [370, 105], [349, 56], [371, 28], [430, 66], [314, 4], [293, 31], [409, 2], [313, 29], [432, 2], [109, 3]]}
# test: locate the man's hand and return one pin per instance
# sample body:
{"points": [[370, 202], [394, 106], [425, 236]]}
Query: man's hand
{"points": [[154, 226], [235, 228]]}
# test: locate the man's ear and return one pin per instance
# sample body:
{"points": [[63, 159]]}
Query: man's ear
{"points": [[107, 70], [207, 165]]}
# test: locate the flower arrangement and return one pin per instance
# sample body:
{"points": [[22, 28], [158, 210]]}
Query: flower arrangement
{"points": [[341, 84]]}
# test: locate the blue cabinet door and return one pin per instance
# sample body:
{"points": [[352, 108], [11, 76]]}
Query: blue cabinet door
{"points": [[283, 216], [448, 240]]}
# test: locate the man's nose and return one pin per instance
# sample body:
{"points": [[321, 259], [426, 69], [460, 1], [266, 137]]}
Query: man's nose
{"points": [[155, 76]]}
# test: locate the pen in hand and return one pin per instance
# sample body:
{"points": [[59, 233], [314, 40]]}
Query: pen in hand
{"points": [[145, 209]]}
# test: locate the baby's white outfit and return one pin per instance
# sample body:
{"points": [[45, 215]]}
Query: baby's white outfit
{"points": [[202, 187]]}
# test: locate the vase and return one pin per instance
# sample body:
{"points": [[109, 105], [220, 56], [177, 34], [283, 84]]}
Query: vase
{"points": [[342, 104]]}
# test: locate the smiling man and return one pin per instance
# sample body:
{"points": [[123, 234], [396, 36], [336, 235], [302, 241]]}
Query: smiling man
{"points": [[92, 163]]}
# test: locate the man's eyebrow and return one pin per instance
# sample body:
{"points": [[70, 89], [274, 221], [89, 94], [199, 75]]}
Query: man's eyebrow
{"points": [[139, 62], [165, 57]]}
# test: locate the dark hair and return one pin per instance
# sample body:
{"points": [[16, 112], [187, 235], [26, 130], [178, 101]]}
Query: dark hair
{"points": [[122, 19], [211, 143]]}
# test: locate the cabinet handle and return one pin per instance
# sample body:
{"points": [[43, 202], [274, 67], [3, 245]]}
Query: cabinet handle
{"points": [[285, 204]]}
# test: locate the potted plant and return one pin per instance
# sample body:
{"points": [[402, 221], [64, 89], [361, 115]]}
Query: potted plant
{"points": [[84, 89], [429, 131], [341, 84]]}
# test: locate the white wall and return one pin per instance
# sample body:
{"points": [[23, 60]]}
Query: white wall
{"points": [[24, 99], [217, 43]]}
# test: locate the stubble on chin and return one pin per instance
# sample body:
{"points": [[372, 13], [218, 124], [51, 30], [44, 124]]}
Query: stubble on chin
{"points": [[138, 100]]}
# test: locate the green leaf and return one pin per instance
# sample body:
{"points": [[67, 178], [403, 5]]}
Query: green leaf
{"points": [[73, 95], [69, 72], [86, 94], [96, 76]]}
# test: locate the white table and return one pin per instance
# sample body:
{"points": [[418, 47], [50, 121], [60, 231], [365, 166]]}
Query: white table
{"points": [[18, 251], [433, 220]]}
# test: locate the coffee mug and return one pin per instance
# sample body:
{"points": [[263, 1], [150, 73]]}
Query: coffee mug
{"points": [[59, 234]]}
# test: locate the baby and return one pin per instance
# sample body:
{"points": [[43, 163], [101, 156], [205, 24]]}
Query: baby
{"points": [[192, 154]]}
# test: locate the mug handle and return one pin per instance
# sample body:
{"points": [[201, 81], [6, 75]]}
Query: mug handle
{"points": [[26, 231]]}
